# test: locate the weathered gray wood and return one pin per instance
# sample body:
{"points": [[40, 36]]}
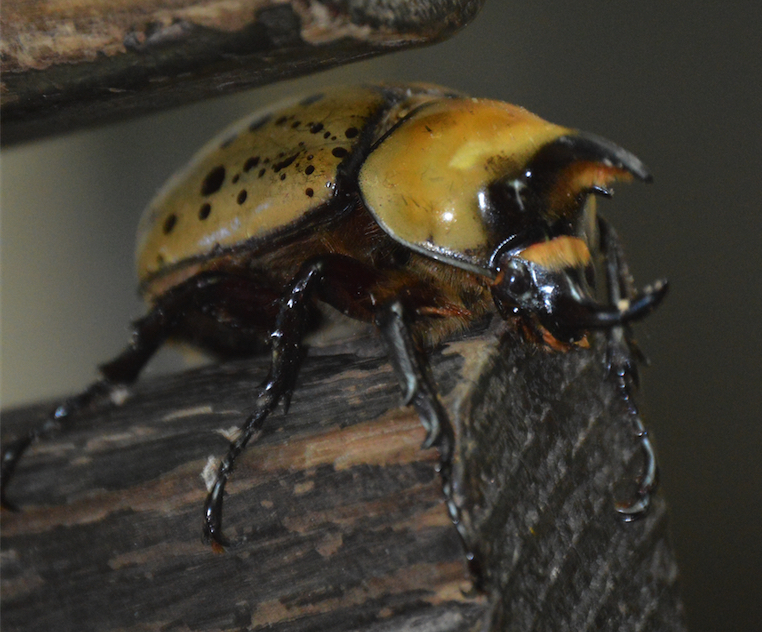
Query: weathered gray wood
{"points": [[341, 510], [546, 448], [70, 63]]}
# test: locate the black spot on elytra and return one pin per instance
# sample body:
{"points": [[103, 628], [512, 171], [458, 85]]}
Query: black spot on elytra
{"points": [[229, 141], [242, 196], [339, 152], [261, 172], [327, 135], [204, 211], [284, 163], [282, 176], [295, 124], [351, 132], [309, 170], [312, 99], [213, 181], [169, 224], [259, 123], [310, 157], [309, 192], [281, 120], [251, 163], [316, 127], [236, 178]]}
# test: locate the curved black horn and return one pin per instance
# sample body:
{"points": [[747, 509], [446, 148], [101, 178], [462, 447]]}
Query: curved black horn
{"points": [[589, 147], [602, 317]]}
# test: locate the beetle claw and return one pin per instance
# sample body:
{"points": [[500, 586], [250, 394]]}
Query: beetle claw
{"points": [[635, 509], [433, 436], [409, 389], [212, 533], [639, 505]]}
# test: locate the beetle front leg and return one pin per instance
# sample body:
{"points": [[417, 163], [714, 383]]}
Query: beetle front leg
{"points": [[416, 383], [622, 357], [418, 389]]}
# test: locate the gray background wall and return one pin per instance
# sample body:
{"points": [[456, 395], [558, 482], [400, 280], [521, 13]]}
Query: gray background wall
{"points": [[679, 85]]}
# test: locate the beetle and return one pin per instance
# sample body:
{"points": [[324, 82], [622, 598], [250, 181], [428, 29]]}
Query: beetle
{"points": [[413, 207]]}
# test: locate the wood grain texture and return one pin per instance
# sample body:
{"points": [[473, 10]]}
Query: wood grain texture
{"points": [[340, 509], [70, 63]]}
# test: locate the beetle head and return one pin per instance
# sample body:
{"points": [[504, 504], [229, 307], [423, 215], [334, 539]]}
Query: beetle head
{"points": [[543, 271], [548, 281]]}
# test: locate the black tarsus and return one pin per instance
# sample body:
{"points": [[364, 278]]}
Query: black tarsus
{"points": [[622, 357], [12, 452]]}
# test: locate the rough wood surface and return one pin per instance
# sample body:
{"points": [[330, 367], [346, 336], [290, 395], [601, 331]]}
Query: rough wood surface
{"points": [[341, 510], [70, 63]]}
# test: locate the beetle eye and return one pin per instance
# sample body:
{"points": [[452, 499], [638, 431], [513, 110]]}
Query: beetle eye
{"points": [[517, 281]]}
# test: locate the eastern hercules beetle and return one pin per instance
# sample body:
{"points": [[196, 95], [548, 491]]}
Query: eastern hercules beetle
{"points": [[410, 206]]}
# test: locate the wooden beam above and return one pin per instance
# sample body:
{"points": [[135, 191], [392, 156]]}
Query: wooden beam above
{"points": [[72, 63]]}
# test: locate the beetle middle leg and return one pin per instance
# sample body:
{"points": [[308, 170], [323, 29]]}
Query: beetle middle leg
{"points": [[354, 289], [336, 279], [622, 357], [287, 353]]}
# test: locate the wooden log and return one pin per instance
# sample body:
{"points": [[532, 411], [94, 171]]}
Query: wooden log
{"points": [[70, 63], [340, 509]]}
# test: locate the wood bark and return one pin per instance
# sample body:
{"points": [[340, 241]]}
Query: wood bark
{"points": [[68, 63], [340, 509]]}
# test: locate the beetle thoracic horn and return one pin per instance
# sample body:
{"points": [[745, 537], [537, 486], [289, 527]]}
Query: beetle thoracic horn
{"points": [[584, 146]]}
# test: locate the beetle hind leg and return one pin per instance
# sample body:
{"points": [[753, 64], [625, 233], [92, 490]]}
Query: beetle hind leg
{"points": [[148, 335], [164, 319], [622, 358], [13, 451]]}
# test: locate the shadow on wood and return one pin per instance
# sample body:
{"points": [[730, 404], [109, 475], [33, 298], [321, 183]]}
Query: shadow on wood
{"points": [[341, 511]]}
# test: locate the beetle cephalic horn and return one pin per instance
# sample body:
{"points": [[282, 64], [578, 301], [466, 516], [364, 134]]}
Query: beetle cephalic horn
{"points": [[596, 316], [555, 295]]}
